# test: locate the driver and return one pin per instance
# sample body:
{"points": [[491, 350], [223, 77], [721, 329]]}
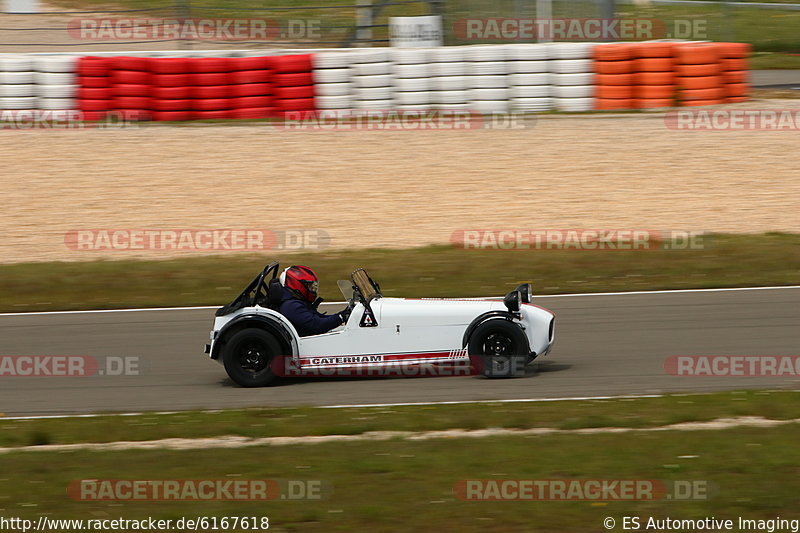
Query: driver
{"points": [[299, 303]]}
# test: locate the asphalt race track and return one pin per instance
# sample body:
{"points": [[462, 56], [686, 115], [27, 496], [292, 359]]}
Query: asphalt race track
{"points": [[606, 345]]}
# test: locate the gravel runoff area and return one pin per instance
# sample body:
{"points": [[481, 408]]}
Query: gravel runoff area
{"points": [[394, 188]]}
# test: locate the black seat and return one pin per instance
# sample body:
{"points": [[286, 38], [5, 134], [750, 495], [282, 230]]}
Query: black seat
{"points": [[274, 294]]}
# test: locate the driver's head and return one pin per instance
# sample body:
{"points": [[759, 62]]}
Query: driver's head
{"points": [[302, 281]]}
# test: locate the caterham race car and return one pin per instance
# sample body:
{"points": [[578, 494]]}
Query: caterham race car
{"points": [[498, 337]]}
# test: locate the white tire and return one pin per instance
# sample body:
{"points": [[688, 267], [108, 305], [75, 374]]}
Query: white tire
{"points": [[487, 94], [55, 78], [488, 82], [17, 78], [333, 89], [571, 66], [381, 80], [332, 75], [485, 52], [447, 54], [487, 107], [487, 68], [571, 50], [530, 91], [7, 91], [331, 60], [527, 67], [448, 69], [529, 79], [419, 70], [374, 93], [580, 78], [372, 69], [453, 107], [56, 103], [412, 84], [413, 107], [573, 91], [63, 63], [527, 52], [574, 104], [531, 104], [15, 63], [374, 104], [56, 91], [409, 56], [413, 98], [450, 83], [18, 102], [344, 101], [373, 55], [450, 97]]}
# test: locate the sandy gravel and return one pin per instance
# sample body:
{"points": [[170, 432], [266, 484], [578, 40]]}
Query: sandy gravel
{"points": [[394, 189]]}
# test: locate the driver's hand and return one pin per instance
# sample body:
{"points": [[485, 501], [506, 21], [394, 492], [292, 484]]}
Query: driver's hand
{"points": [[345, 314]]}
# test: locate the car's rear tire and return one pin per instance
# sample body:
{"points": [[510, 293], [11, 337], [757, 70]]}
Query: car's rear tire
{"points": [[248, 357], [500, 347]]}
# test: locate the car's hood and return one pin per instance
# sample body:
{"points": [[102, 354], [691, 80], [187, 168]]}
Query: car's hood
{"points": [[431, 311]]}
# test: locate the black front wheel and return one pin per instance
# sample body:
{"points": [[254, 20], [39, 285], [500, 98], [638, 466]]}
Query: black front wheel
{"points": [[248, 357], [501, 348]]}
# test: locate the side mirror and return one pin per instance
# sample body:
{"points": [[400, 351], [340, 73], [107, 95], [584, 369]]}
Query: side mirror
{"points": [[512, 300], [525, 291]]}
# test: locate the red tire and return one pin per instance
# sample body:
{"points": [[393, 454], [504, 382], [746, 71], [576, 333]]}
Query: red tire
{"points": [[251, 76], [210, 104], [737, 50], [211, 115], [130, 77], [252, 112], [614, 103], [295, 104], [737, 89], [293, 63], [171, 93], [693, 103], [654, 103], [735, 76], [130, 102], [704, 69], [655, 92], [654, 78], [733, 64], [93, 116], [210, 78], [250, 63], [655, 49], [94, 93], [171, 80], [210, 64], [94, 105], [697, 54], [715, 93], [614, 52], [289, 93], [92, 66], [736, 99], [251, 89], [700, 82], [296, 79], [654, 64], [171, 105], [613, 79], [133, 114], [613, 67], [94, 82], [616, 92], [129, 63], [246, 102], [168, 65], [210, 92], [131, 90], [172, 115]]}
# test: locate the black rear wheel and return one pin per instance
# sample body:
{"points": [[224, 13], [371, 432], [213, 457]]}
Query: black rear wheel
{"points": [[248, 357]]}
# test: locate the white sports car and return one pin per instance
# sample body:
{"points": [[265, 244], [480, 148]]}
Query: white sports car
{"points": [[256, 343]]}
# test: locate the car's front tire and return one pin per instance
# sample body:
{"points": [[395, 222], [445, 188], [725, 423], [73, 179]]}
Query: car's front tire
{"points": [[248, 357], [500, 347]]}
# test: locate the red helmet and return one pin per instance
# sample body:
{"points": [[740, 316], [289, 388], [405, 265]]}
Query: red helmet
{"points": [[302, 280]]}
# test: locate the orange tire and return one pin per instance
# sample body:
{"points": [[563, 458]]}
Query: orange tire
{"points": [[654, 78], [654, 103], [655, 92], [738, 50], [656, 49], [733, 64], [736, 99], [613, 67], [703, 102], [614, 103], [614, 51], [700, 82], [736, 89], [697, 54], [654, 64], [704, 69], [734, 76], [624, 92], [716, 93], [614, 79]]}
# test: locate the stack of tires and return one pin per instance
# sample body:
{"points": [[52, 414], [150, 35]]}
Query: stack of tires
{"points": [[293, 84], [528, 78], [699, 76], [130, 87], [449, 83], [94, 86], [373, 85], [333, 81], [412, 78], [171, 91], [614, 76], [572, 78], [209, 88], [488, 79], [17, 82], [655, 75], [250, 89], [55, 81], [734, 71]]}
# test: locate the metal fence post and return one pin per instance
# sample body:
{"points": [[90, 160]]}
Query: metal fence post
{"points": [[364, 22], [544, 12]]}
